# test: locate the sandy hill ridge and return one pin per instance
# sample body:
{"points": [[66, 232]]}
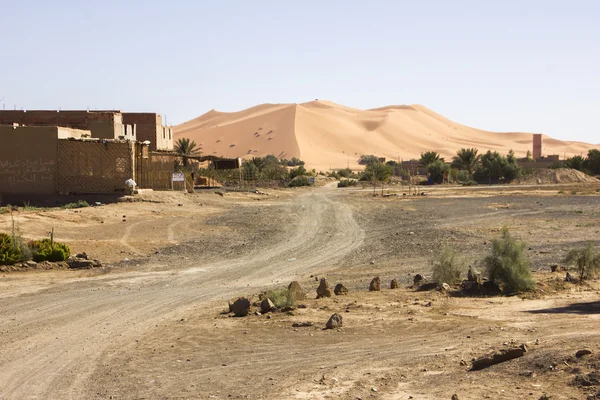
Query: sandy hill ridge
{"points": [[326, 134]]}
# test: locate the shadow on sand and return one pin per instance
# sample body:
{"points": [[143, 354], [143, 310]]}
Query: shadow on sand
{"points": [[575, 308]]}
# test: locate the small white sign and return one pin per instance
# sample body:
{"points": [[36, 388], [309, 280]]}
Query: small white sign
{"points": [[178, 177]]}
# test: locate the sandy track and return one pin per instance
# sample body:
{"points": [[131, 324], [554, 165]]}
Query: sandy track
{"points": [[54, 338]]}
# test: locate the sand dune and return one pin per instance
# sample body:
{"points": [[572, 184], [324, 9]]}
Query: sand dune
{"points": [[328, 135]]}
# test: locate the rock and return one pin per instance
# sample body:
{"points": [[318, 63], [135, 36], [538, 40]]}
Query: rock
{"points": [[497, 358], [323, 290], [375, 284], [335, 321], [394, 284], [411, 233], [418, 279], [491, 288], [545, 397], [83, 256], [454, 397], [582, 353], [340, 290], [444, 287], [31, 264], [266, 305], [372, 262], [555, 268], [240, 307], [296, 291], [80, 263], [470, 286]]}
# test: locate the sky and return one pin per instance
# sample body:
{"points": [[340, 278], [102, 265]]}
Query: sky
{"points": [[526, 66]]}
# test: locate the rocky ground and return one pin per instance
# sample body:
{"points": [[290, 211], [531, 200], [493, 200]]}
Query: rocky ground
{"points": [[152, 322]]}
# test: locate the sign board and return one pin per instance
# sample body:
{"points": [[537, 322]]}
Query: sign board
{"points": [[178, 177]]}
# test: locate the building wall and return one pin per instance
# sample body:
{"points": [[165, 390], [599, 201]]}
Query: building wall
{"points": [[28, 160], [537, 146], [66, 133], [95, 166], [149, 127], [103, 125]]}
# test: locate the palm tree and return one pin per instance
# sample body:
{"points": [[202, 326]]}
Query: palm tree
{"points": [[430, 157], [467, 159], [186, 148]]}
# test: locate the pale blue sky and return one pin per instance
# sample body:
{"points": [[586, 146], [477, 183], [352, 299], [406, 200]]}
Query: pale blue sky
{"points": [[500, 65]]}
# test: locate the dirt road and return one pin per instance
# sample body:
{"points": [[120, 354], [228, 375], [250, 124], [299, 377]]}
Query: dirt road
{"points": [[54, 336], [151, 327]]}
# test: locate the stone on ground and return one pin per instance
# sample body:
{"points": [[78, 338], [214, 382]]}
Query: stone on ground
{"points": [[394, 284], [296, 291], [266, 305], [375, 284], [335, 321], [323, 290], [240, 307], [340, 290]]}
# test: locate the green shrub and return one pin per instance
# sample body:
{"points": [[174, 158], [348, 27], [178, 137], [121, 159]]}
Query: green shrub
{"points": [[495, 167], [77, 204], [345, 173], [509, 264], [300, 171], [45, 250], [281, 298], [10, 252], [300, 181], [448, 267], [437, 171], [586, 260], [347, 183]]}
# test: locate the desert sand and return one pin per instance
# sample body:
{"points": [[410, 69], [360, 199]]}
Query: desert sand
{"points": [[328, 135]]}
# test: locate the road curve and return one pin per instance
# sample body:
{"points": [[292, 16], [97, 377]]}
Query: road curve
{"points": [[54, 337]]}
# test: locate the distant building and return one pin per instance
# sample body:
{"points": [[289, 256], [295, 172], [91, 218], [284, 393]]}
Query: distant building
{"points": [[149, 127], [537, 146], [104, 124], [101, 124]]}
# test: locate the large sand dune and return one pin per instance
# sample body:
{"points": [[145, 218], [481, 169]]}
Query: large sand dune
{"points": [[328, 135]]}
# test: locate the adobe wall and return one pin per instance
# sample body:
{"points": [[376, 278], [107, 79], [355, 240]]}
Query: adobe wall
{"points": [[103, 125], [28, 160], [149, 127]]}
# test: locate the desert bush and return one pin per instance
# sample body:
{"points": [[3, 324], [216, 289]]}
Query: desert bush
{"points": [[377, 172], [46, 250], [586, 261], [495, 167], [300, 181], [448, 267], [298, 172], [463, 176], [509, 264], [592, 162], [10, 252], [368, 159], [77, 204], [437, 170], [345, 173], [281, 298], [347, 183]]}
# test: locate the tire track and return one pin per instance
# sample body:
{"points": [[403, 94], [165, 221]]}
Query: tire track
{"points": [[55, 356]]}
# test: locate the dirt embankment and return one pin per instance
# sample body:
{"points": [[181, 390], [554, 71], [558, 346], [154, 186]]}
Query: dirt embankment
{"points": [[558, 175]]}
